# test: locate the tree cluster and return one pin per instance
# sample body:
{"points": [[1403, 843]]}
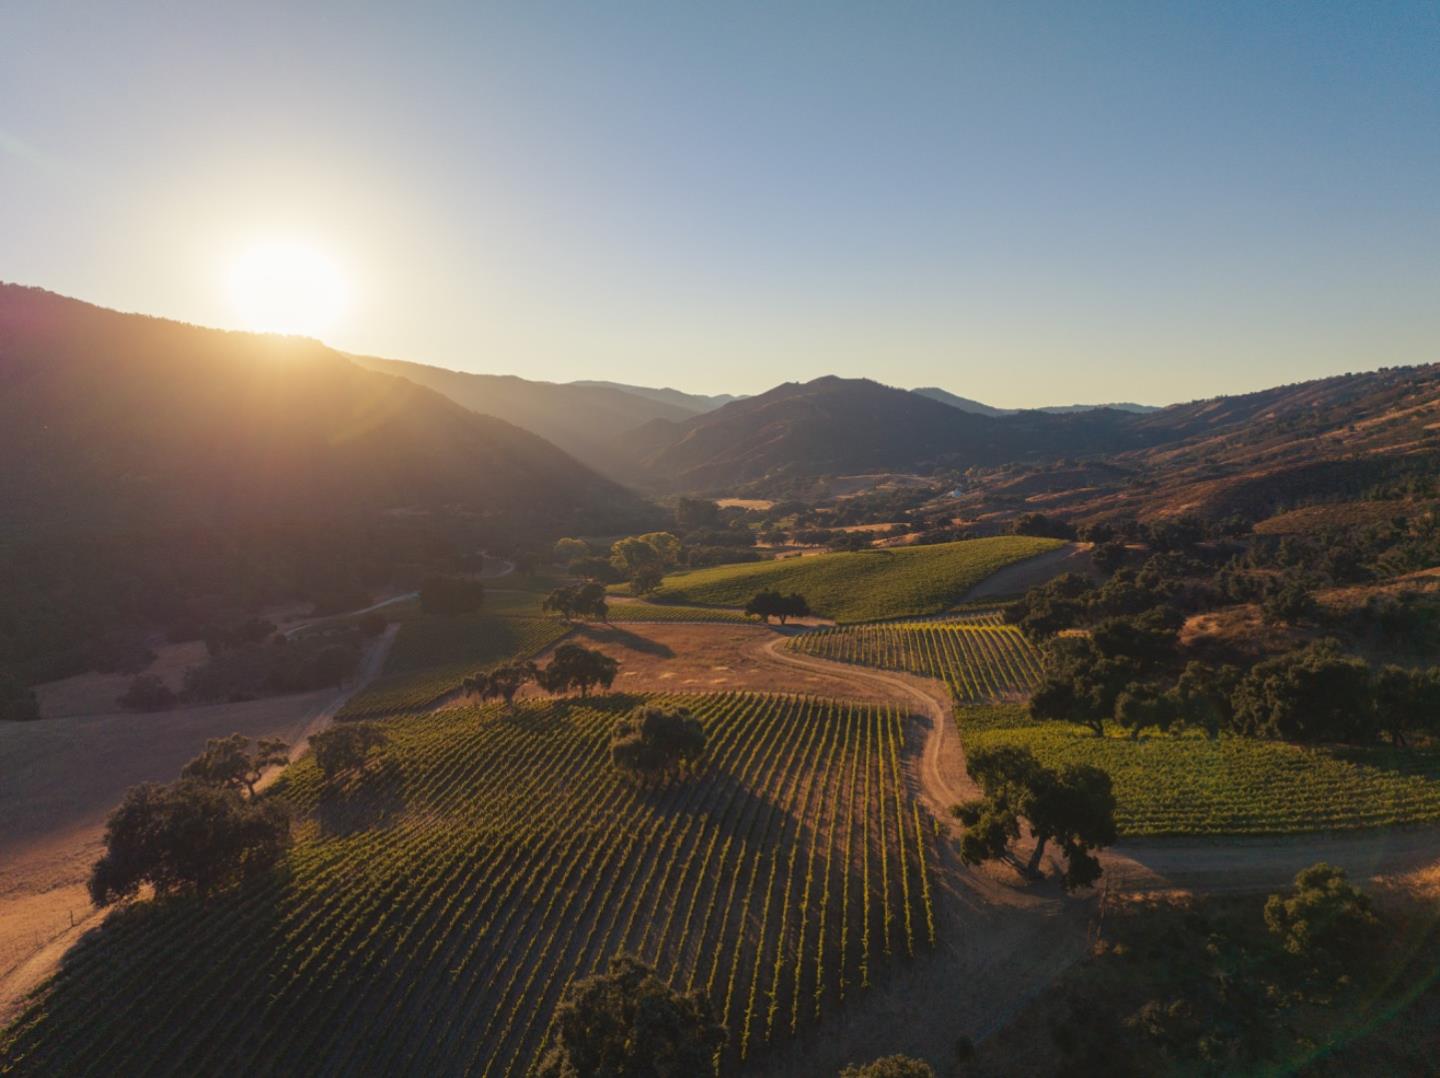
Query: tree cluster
{"points": [[345, 747], [627, 1023], [585, 600], [230, 762], [579, 668], [1074, 807], [652, 742], [771, 604], [186, 836]]}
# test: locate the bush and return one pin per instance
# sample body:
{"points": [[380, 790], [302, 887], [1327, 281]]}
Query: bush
{"points": [[147, 693]]}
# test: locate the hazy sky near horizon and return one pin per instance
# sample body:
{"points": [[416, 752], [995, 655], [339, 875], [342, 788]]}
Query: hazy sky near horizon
{"points": [[1023, 203]]}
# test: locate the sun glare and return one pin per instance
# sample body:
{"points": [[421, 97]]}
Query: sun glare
{"points": [[287, 288]]}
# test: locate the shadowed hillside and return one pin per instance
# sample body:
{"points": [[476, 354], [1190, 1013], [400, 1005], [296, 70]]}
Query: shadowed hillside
{"points": [[581, 418], [151, 462]]}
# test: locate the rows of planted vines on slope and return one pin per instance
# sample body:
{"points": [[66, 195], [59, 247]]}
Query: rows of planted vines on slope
{"points": [[434, 908], [432, 656], [978, 656]]}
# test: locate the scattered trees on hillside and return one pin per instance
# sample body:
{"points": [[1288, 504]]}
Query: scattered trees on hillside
{"points": [[576, 667], [450, 596], [187, 836], [652, 741], [18, 702], [585, 600], [1041, 526], [345, 746], [228, 761], [643, 559], [1315, 694], [771, 604], [1073, 807], [628, 1022], [502, 683]]}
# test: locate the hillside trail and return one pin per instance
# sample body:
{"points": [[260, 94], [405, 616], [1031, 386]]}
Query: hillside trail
{"points": [[48, 888]]}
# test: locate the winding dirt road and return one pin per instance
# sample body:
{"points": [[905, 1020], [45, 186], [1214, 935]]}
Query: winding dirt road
{"points": [[1137, 865]]}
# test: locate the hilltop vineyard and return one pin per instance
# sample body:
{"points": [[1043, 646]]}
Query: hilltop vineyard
{"points": [[979, 657], [433, 909]]}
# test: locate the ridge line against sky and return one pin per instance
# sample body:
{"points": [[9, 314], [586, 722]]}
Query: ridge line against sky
{"points": [[1027, 205]]}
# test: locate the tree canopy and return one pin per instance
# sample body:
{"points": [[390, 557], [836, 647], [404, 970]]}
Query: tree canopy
{"points": [[503, 682], [772, 604], [345, 746], [228, 761], [585, 600], [1073, 807], [1324, 916], [577, 667], [896, 1066], [654, 741], [188, 835], [627, 1023]]}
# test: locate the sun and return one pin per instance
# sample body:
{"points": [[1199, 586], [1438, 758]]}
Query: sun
{"points": [[283, 287]]}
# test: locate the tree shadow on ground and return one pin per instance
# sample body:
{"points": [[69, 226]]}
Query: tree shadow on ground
{"points": [[371, 798], [613, 634]]}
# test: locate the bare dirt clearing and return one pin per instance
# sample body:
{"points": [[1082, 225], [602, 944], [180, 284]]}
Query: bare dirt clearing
{"points": [[693, 657]]}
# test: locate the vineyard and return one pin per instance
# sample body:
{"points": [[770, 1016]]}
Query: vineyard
{"points": [[432, 911], [979, 657], [432, 655], [1188, 784], [867, 585]]}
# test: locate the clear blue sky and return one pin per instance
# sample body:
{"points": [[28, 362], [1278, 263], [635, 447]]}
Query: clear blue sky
{"points": [[1023, 203]]}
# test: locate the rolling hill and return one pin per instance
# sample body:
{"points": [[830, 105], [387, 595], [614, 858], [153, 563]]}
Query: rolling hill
{"points": [[582, 418], [965, 404], [156, 471], [112, 418], [841, 425]]}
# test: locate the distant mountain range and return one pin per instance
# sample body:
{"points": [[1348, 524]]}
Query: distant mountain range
{"points": [[694, 402], [965, 404]]}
